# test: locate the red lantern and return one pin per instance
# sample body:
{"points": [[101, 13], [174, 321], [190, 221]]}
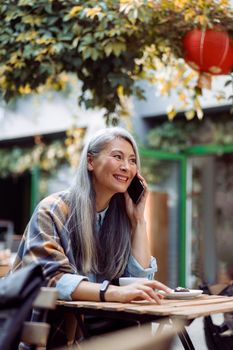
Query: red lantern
{"points": [[209, 51]]}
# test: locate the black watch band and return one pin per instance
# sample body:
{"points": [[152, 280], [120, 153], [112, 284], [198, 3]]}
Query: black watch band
{"points": [[103, 288]]}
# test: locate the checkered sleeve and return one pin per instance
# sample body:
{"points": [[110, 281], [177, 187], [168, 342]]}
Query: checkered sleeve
{"points": [[46, 240]]}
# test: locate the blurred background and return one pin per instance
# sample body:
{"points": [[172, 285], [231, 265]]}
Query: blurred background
{"points": [[186, 147]]}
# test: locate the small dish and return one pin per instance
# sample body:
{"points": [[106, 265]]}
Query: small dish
{"points": [[193, 293]]}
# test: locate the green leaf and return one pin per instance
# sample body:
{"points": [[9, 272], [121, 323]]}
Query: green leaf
{"points": [[118, 48], [228, 82]]}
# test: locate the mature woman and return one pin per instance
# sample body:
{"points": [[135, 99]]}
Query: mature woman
{"points": [[88, 236]]}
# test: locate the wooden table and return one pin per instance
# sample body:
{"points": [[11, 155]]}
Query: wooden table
{"points": [[4, 269], [172, 310]]}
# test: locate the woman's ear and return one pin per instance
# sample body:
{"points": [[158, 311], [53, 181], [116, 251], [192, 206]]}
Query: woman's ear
{"points": [[89, 162]]}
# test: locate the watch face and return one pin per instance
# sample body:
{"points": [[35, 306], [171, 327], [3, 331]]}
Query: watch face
{"points": [[103, 288], [104, 285]]}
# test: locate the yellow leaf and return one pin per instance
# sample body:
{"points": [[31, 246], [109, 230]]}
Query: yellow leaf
{"points": [[26, 89], [120, 90], [108, 49], [171, 112], [15, 57], [180, 4], [93, 12], [42, 54], [118, 48], [44, 41], [200, 113], [202, 20], [31, 19], [76, 9], [27, 36], [152, 4], [224, 3], [190, 114], [196, 103], [182, 97], [189, 14], [19, 64]]}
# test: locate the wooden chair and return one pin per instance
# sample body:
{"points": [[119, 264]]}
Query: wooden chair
{"points": [[134, 338], [4, 269], [218, 337], [35, 334]]}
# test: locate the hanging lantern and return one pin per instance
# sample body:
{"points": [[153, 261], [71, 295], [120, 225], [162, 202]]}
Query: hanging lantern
{"points": [[209, 51]]}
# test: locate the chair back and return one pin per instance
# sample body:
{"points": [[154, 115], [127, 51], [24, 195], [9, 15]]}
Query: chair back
{"points": [[17, 294], [219, 337], [35, 333], [134, 338]]}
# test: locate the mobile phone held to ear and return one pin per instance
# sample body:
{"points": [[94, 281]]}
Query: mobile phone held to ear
{"points": [[136, 189]]}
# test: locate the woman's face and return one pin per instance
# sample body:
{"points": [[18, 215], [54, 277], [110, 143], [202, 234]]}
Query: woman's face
{"points": [[114, 168]]}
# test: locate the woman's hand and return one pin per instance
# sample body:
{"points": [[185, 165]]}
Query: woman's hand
{"points": [[140, 247], [141, 290]]}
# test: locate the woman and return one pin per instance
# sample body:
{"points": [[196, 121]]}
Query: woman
{"points": [[87, 237]]}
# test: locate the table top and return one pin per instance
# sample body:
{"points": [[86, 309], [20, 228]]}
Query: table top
{"points": [[186, 309], [4, 269]]}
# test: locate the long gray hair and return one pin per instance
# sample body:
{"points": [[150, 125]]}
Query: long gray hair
{"points": [[104, 253]]}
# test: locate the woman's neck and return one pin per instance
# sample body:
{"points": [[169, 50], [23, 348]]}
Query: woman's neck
{"points": [[102, 204]]}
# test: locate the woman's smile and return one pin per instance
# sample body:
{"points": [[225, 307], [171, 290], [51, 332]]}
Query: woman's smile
{"points": [[113, 169], [121, 178]]}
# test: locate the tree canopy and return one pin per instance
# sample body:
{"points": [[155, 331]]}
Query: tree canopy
{"points": [[108, 45]]}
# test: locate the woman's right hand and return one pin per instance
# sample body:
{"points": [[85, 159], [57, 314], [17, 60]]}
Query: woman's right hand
{"points": [[141, 290]]}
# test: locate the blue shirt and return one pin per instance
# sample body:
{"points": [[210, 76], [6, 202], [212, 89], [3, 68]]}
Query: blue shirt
{"points": [[67, 283]]}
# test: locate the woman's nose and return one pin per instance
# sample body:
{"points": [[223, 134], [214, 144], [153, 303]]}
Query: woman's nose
{"points": [[124, 165]]}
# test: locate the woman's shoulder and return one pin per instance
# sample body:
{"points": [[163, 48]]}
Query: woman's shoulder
{"points": [[56, 201]]}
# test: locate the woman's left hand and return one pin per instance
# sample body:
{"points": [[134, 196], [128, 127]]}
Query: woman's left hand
{"points": [[141, 290]]}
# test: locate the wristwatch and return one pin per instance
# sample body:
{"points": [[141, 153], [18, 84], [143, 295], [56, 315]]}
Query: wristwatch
{"points": [[103, 288]]}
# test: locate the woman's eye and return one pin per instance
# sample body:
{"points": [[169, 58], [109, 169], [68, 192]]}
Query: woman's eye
{"points": [[133, 161], [117, 156]]}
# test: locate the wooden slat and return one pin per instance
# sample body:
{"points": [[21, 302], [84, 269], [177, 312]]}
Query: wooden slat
{"points": [[152, 308], [188, 309], [200, 311], [178, 303], [171, 308], [46, 299], [91, 305]]}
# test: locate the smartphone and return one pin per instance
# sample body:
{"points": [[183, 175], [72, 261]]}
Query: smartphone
{"points": [[136, 189]]}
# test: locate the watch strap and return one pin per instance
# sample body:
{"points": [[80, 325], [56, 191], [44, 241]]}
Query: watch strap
{"points": [[103, 288]]}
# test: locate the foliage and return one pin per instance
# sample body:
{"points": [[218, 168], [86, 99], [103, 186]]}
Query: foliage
{"points": [[47, 157], [155, 171], [108, 45], [177, 135]]}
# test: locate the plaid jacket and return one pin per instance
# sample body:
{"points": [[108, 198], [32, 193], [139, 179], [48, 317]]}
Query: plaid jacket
{"points": [[46, 241]]}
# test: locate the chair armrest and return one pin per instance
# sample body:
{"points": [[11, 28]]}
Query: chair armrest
{"points": [[46, 298], [35, 333]]}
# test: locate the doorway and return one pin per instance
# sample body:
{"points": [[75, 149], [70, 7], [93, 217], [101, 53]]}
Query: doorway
{"points": [[15, 194]]}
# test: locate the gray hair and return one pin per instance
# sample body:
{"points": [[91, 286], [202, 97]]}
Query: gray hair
{"points": [[107, 252]]}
